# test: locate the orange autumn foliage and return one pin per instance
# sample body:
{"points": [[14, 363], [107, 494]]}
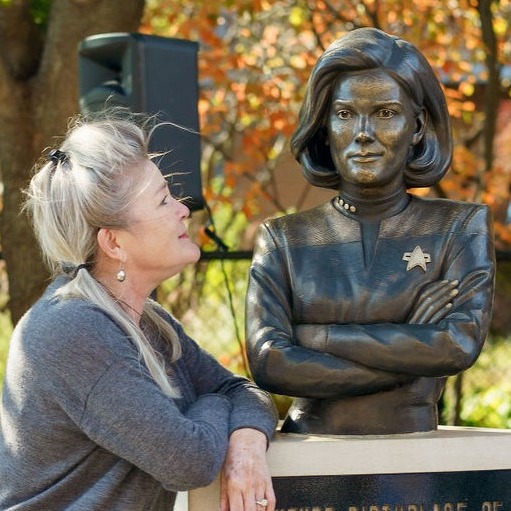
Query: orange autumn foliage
{"points": [[255, 58]]}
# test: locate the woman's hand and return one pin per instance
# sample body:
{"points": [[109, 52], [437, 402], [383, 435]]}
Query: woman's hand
{"points": [[245, 475], [434, 302]]}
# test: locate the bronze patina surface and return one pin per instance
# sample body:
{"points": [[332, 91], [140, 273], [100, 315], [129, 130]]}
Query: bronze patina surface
{"points": [[362, 307]]}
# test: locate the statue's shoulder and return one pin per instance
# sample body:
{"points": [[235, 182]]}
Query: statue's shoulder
{"points": [[450, 212], [310, 217], [300, 227]]}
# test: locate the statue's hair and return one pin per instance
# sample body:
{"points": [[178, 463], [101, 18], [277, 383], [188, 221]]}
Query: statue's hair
{"points": [[364, 49], [91, 186]]}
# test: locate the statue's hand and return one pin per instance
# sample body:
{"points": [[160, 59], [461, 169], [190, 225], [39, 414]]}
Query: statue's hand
{"points": [[434, 302]]}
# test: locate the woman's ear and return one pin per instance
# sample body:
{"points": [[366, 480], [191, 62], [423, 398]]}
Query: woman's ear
{"points": [[108, 243], [420, 127]]}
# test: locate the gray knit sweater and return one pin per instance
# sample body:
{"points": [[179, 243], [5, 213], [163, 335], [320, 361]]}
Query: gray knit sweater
{"points": [[83, 427]]}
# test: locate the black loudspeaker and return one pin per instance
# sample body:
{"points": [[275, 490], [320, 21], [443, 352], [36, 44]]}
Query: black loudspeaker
{"points": [[157, 76]]}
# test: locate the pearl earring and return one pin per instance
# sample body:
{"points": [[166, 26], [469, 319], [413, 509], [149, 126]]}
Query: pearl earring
{"points": [[121, 275]]}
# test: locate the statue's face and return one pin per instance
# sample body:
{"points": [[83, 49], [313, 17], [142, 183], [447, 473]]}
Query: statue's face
{"points": [[371, 127]]}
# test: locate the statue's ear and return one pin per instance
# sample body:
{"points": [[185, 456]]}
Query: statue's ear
{"points": [[420, 127]]}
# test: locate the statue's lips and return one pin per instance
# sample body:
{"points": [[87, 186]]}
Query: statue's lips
{"points": [[365, 157]]}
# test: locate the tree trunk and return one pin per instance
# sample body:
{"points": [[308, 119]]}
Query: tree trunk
{"points": [[38, 94], [493, 86]]}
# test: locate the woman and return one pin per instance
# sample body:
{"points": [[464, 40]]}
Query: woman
{"points": [[362, 307], [107, 404]]}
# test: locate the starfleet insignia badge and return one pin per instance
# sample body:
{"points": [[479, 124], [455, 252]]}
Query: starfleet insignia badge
{"points": [[416, 258]]}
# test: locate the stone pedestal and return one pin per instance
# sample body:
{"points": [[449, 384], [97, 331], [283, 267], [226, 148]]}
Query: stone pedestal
{"points": [[452, 469]]}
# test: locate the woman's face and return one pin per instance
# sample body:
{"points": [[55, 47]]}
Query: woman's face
{"points": [[371, 127], [156, 241]]}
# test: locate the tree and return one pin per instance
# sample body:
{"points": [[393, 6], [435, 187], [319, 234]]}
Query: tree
{"points": [[38, 94]]}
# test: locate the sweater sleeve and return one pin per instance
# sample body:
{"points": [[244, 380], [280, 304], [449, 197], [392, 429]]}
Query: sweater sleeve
{"points": [[251, 406], [98, 379], [127, 414]]}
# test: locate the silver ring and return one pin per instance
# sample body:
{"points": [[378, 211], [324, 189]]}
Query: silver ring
{"points": [[262, 502]]}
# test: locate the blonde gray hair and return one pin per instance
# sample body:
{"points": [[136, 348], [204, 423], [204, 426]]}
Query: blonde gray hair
{"points": [[90, 186]]}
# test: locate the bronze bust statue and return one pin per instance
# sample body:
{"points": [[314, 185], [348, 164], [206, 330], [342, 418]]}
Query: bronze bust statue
{"points": [[362, 307]]}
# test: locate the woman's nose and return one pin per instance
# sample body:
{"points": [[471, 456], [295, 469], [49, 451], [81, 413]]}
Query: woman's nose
{"points": [[186, 210], [182, 209]]}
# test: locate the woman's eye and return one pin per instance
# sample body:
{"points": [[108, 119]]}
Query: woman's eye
{"points": [[165, 201]]}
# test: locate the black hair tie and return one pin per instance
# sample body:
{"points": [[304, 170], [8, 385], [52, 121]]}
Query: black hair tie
{"points": [[71, 270], [81, 266], [57, 156]]}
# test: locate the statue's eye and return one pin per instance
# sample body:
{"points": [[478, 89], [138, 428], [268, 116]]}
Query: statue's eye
{"points": [[386, 113], [344, 114]]}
